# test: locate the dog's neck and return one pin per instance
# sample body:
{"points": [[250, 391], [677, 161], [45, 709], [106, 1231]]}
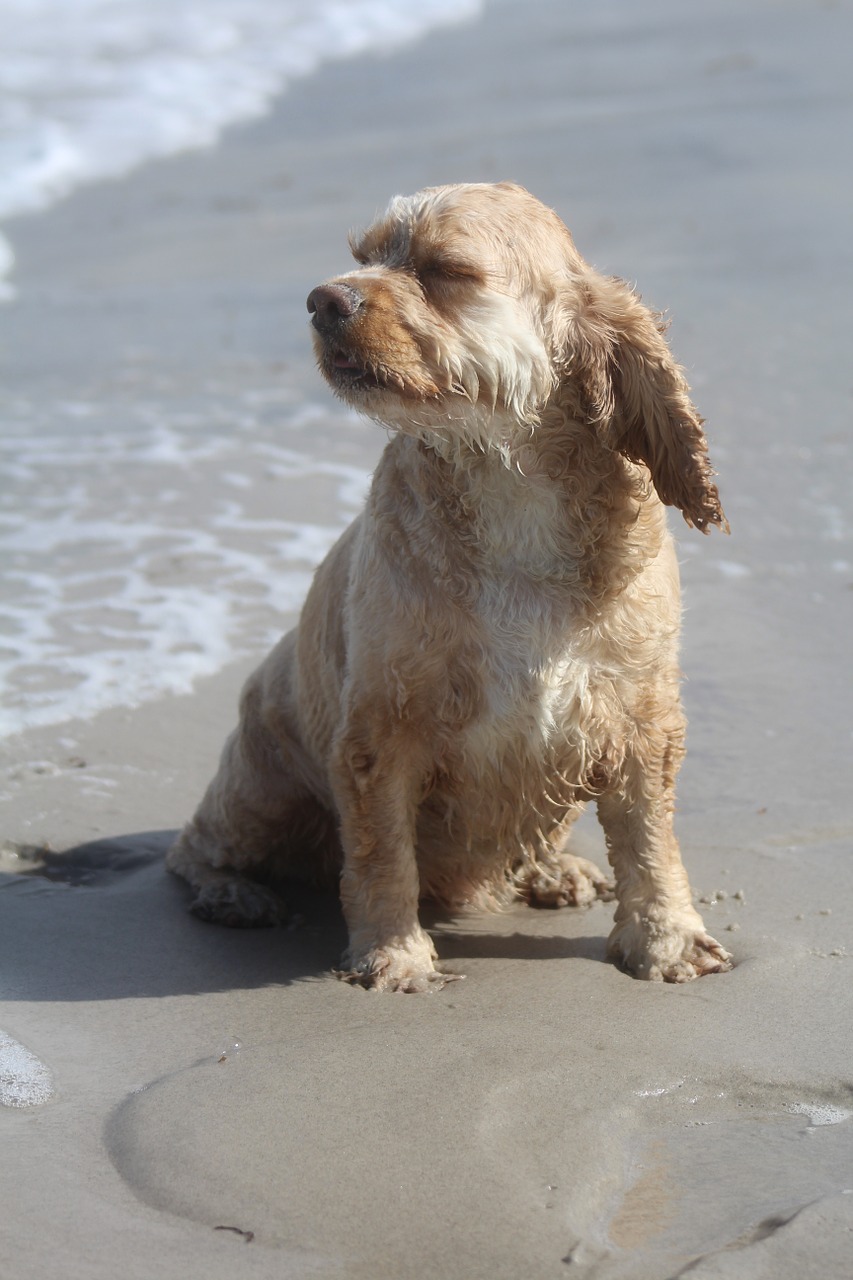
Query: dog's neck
{"points": [[554, 507]]}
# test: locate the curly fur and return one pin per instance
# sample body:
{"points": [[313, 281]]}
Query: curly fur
{"points": [[493, 642]]}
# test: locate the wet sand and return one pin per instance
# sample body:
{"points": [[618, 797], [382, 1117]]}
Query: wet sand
{"points": [[221, 1104]]}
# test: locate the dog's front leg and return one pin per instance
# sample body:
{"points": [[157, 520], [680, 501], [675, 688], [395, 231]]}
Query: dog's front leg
{"points": [[377, 787], [657, 934]]}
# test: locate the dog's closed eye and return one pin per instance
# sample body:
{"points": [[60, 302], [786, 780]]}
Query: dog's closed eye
{"points": [[448, 269]]}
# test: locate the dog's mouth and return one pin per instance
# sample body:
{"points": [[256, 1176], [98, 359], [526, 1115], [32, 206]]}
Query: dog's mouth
{"points": [[348, 373]]}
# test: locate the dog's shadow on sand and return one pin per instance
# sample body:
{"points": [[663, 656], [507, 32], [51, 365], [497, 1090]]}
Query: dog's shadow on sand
{"points": [[105, 920]]}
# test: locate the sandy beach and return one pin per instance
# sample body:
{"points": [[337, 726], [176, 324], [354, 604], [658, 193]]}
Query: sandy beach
{"points": [[184, 1100]]}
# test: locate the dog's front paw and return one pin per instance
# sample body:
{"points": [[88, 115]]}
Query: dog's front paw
{"points": [[667, 953], [568, 881], [239, 903], [405, 968]]}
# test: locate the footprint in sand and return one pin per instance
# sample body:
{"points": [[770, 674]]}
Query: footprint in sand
{"points": [[713, 1172], [682, 1178], [652, 1182]]}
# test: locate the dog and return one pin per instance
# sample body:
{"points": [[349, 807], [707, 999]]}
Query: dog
{"points": [[493, 642]]}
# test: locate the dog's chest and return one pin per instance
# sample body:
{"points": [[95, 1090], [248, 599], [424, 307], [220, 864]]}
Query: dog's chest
{"points": [[537, 681]]}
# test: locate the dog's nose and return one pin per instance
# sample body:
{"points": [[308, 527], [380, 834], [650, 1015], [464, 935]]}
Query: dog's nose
{"points": [[331, 303]]}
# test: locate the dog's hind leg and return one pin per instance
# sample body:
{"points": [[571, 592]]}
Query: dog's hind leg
{"points": [[223, 895], [258, 820]]}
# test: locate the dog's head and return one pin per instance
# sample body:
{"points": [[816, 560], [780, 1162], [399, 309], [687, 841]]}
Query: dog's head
{"points": [[471, 311]]}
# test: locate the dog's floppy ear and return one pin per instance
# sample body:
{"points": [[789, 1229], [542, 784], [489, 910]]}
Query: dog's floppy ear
{"points": [[638, 396]]}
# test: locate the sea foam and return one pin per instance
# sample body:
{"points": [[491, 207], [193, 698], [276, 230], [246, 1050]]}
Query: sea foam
{"points": [[144, 544], [25, 1081]]}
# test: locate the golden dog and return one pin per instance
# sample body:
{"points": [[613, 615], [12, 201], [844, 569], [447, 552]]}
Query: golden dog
{"points": [[493, 642]]}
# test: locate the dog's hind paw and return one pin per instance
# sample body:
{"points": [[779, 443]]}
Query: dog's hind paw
{"points": [[566, 881], [240, 904]]}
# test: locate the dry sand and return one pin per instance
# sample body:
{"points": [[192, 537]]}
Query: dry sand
{"points": [[549, 1116]]}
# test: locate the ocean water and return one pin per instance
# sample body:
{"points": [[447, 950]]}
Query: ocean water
{"points": [[91, 88], [149, 538]]}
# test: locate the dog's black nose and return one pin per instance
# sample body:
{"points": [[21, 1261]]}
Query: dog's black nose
{"points": [[331, 303]]}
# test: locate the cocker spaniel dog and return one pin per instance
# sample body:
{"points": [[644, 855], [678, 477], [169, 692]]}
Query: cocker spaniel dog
{"points": [[494, 641]]}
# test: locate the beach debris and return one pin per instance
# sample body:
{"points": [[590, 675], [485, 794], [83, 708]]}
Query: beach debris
{"points": [[29, 853], [719, 895], [248, 1236], [229, 1050]]}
